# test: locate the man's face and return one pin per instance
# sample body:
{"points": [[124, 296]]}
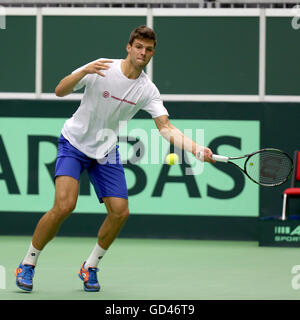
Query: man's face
{"points": [[140, 52]]}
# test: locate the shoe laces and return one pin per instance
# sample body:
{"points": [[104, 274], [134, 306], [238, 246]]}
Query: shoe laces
{"points": [[28, 272], [93, 275]]}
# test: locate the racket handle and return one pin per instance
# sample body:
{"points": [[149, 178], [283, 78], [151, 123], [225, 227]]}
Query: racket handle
{"points": [[215, 157], [219, 158]]}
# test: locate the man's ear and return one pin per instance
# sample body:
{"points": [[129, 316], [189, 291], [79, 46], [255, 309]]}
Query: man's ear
{"points": [[128, 47]]}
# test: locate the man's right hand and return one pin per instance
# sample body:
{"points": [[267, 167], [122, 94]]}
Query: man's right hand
{"points": [[96, 66]]}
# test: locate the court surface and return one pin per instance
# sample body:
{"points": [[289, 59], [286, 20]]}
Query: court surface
{"points": [[146, 269]]}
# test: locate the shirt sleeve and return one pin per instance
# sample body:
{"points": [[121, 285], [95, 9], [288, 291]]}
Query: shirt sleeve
{"points": [[155, 105]]}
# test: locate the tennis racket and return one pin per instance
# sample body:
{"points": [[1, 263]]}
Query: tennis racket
{"points": [[266, 167]]}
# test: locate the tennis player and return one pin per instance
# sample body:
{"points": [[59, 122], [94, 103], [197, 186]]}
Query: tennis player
{"points": [[115, 90]]}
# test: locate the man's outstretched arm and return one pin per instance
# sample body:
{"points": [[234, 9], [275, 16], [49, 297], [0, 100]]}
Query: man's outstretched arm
{"points": [[176, 137]]}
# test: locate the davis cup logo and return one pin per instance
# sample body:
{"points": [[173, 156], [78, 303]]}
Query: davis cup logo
{"points": [[106, 94]]}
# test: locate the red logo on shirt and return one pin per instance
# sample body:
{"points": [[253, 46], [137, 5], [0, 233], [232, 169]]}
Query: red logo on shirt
{"points": [[106, 94], [124, 100]]}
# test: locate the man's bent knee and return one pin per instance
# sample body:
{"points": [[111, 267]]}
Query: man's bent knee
{"points": [[62, 208], [117, 208], [120, 214], [65, 196]]}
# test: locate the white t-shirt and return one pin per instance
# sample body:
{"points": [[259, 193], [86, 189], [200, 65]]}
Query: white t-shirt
{"points": [[107, 104]]}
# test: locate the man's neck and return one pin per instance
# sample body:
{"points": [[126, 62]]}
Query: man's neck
{"points": [[129, 70]]}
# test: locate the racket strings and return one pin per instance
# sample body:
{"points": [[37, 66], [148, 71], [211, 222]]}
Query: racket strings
{"points": [[269, 167]]}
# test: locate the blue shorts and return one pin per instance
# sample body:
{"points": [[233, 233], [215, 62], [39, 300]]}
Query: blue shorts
{"points": [[107, 177]]}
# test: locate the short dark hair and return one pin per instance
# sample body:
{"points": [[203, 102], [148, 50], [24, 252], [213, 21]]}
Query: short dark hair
{"points": [[142, 32]]}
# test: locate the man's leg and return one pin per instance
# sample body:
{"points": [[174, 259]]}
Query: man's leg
{"points": [[117, 214], [108, 179], [66, 194]]}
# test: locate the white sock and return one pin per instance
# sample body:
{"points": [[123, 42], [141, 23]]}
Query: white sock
{"points": [[95, 257], [31, 256]]}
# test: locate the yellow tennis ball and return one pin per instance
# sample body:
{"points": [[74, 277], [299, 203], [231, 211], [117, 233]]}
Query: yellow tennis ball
{"points": [[172, 159]]}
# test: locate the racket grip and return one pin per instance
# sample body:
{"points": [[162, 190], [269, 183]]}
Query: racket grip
{"points": [[219, 158], [215, 157]]}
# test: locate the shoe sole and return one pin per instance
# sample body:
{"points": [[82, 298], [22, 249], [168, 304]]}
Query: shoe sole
{"points": [[23, 287], [87, 289]]}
